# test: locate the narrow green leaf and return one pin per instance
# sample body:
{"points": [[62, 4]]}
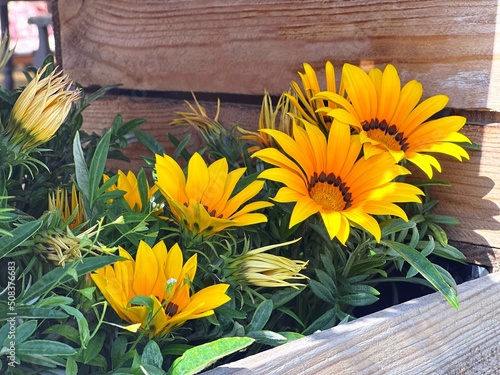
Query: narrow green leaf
{"points": [[94, 347], [261, 316], [18, 236], [426, 269], [83, 325], [152, 355], [45, 348], [54, 301], [358, 299], [267, 337], [25, 330], [395, 225], [325, 321], [439, 233], [118, 350], [71, 367], [291, 336], [322, 292], [97, 166], [149, 142], [68, 332], [34, 312], [81, 171], [198, 358], [62, 275]]}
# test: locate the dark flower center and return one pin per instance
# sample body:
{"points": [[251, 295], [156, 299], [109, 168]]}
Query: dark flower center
{"points": [[386, 134], [330, 192]]}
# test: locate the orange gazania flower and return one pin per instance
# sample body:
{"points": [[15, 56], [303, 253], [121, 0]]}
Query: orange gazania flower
{"points": [[390, 118], [329, 178], [159, 274]]}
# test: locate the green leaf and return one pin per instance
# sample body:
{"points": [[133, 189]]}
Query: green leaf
{"points": [[54, 301], [280, 297], [142, 301], [18, 236], [45, 348], [327, 281], [34, 312], [322, 292], [266, 337], [68, 332], [439, 233], [426, 269], [149, 142], [325, 321], [152, 355], [81, 171], [291, 336], [198, 358], [83, 325], [359, 299], [261, 316], [142, 185], [71, 367], [62, 275], [97, 166], [94, 347], [25, 330], [395, 225]]}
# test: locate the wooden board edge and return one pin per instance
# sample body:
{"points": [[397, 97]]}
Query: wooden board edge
{"points": [[424, 335]]}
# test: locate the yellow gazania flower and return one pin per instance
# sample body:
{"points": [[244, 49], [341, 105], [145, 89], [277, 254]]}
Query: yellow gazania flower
{"points": [[389, 117], [202, 203], [256, 267], [270, 118], [329, 178], [41, 109], [304, 104], [128, 184], [66, 204], [160, 274]]}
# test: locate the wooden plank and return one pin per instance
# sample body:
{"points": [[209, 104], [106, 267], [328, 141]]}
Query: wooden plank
{"points": [[158, 114], [246, 46], [421, 336], [474, 195]]}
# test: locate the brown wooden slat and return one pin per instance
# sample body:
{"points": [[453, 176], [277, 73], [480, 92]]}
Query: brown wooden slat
{"points": [[421, 336], [245, 46]]}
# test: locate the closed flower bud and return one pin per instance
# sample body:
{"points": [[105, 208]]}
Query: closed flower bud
{"points": [[41, 109]]}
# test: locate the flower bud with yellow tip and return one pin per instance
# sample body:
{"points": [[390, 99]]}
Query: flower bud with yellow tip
{"points": [[40, 109]]}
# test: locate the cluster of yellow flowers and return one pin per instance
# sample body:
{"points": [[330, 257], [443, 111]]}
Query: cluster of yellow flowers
{"points": [[336, 152]]}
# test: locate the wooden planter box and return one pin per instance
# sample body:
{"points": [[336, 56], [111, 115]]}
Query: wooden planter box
{"points": [[160, 51], [421, 336]]}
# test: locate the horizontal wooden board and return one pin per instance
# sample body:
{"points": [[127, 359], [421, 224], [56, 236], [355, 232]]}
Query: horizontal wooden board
{"points": [[422, 336], [473, 197], [244, 47]]}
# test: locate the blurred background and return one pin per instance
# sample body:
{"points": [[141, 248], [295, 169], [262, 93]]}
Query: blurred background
{"points": [[29, 24]]}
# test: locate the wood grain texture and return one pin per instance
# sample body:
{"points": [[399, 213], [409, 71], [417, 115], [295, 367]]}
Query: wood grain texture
{"points": [[245, 46], [422, 336], [158, 114]]}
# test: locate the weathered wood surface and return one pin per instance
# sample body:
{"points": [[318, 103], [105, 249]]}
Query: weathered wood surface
{"points": [[422, 336], [245, 46]]}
